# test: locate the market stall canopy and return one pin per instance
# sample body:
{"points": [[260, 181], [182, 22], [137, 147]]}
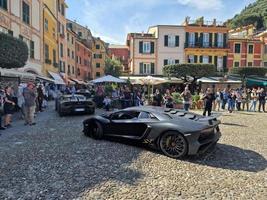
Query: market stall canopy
{"points": [[256, 82], [80, 82], [137, 80], [150, 80], [108, 79], [218, 80], [24, 76], [45, 79], [57, 78]]}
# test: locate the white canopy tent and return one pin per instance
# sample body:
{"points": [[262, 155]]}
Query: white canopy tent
{"points": [[57, 78], [108, 79]]}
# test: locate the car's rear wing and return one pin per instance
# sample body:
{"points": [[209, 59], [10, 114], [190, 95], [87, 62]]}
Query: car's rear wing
{"points": [[211, 119]]}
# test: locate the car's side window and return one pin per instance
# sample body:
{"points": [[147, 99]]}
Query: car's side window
{"points": [[144, 115]]}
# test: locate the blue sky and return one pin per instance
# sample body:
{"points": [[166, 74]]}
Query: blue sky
{"points": [[113, 19]]}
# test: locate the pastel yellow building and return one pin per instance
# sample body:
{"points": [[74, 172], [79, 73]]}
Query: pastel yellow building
{"points": [[50, 37]]}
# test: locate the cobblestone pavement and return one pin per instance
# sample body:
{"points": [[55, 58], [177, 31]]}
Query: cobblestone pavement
{"points": [[54, 160]]}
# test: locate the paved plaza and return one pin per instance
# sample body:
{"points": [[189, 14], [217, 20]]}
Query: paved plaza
{"points": [[54, 160]]}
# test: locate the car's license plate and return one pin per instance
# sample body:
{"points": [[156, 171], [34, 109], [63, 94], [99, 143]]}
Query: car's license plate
{"points": [[79, 109]]}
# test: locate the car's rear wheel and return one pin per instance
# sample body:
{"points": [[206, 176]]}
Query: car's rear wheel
{"points": [[173, 144], [96, 130]]}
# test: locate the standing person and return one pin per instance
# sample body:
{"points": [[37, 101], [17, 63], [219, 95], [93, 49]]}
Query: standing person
{"points": [[2, 97], [246, 99], [168, 100], [40, 98], [254, 98], [21, 100], [231, 101], [225, 98], [127, 97], [29, 96], [262, 96], [9, 106], [238, 99], [208, 98], [107, 103], [187, 98], [158, 98], [218, 99]]}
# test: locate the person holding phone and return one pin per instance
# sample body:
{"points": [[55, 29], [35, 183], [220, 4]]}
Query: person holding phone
{"points": [[9, 106]]}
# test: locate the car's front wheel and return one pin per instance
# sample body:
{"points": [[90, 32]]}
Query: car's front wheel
{"points": [[173, 144], [96, 130]]}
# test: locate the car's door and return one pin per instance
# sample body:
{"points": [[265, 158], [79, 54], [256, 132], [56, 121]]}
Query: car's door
{"points": [[126, 124]]}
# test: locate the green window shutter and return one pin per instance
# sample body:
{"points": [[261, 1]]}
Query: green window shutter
{"points": [[224, 40], [165, 62], [177, 41], [225, 63], [216, 40], [152, 70], [152, 46], [215, 60], [186, 39], [177, 61], [141, 68], [210, 59], [195, 59], [201, 40], [141, 47], [166, 41], [201, 59], [196, 38], [210, 38]]}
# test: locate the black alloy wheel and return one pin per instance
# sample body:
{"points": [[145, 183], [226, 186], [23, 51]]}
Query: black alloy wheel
{"points": [[96, 130], [173, 144]]}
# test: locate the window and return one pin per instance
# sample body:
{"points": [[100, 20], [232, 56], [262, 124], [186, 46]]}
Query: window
{"points": [[63, 9], [32, 49], [191, 59], [237, 48], [68, 36], [265, 49], [54, 57], [205, 59], [73, 71], [68, 52], [46, 52], [80, 60], [63, 29], [25, 13], [97, 74], [250, 48], [3, 4], [10, 32], [61, 50], [78, 72], [58, 5], [170, 61], [97, 46], [236, 64], [80, 34], [191, 39], [171, 41], [146, 47], [205, 39], [265, 64], [72, 54], [98, 56], [97, 65], [220, 63], [250, 64], [220, 40], [147, 68], [68, 69], [46, 24], [72, 40]]}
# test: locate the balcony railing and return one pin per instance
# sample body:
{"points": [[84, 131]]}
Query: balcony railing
{"points": [[205, 45]]}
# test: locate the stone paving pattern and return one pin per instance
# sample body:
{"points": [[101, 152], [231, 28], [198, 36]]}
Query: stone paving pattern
{"points": [[54, 160]]}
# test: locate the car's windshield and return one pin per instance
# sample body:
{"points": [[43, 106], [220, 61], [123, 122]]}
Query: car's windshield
{"points": [[73, 98]]}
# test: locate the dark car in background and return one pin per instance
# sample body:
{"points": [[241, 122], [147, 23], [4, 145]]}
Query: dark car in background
{"points": [[74, 104], [175, 133]]}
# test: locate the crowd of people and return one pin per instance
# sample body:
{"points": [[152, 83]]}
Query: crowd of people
{"points": [[28, 99]]}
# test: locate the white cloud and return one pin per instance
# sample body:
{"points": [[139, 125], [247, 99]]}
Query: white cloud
{"points": [[203, 4]]}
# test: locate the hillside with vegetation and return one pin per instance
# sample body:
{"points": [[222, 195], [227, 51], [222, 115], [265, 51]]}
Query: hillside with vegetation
{"points": [[255, 13]]}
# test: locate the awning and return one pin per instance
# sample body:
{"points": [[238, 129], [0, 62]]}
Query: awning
{"points": [[108, 79], [79, 81], [57, 78], [43, 78], [256, 82]]}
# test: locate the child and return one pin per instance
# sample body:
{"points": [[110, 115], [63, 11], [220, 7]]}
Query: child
{"points": [[107, 103]]}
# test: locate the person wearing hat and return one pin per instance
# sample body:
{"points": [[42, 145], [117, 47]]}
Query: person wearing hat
{"points": [[29, 97]]}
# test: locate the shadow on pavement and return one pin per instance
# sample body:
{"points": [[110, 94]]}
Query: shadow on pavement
{"points": [[233, 124], [230, 157]]}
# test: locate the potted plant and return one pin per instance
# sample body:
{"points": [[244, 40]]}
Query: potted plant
{"points": [[178, 101]]}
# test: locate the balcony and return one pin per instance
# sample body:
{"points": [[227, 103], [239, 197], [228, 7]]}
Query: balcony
{"points": [[219, 45]]}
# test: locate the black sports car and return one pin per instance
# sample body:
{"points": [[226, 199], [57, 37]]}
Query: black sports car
{"points": [[72, 104], [175, 132]]}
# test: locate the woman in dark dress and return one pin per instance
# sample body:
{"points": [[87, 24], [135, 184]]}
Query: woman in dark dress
{"points": [[9, 106]]}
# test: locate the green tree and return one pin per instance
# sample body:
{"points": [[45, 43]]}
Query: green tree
{"points": [[244, 72], [183, 71], [13, 52], [113, 67]]}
